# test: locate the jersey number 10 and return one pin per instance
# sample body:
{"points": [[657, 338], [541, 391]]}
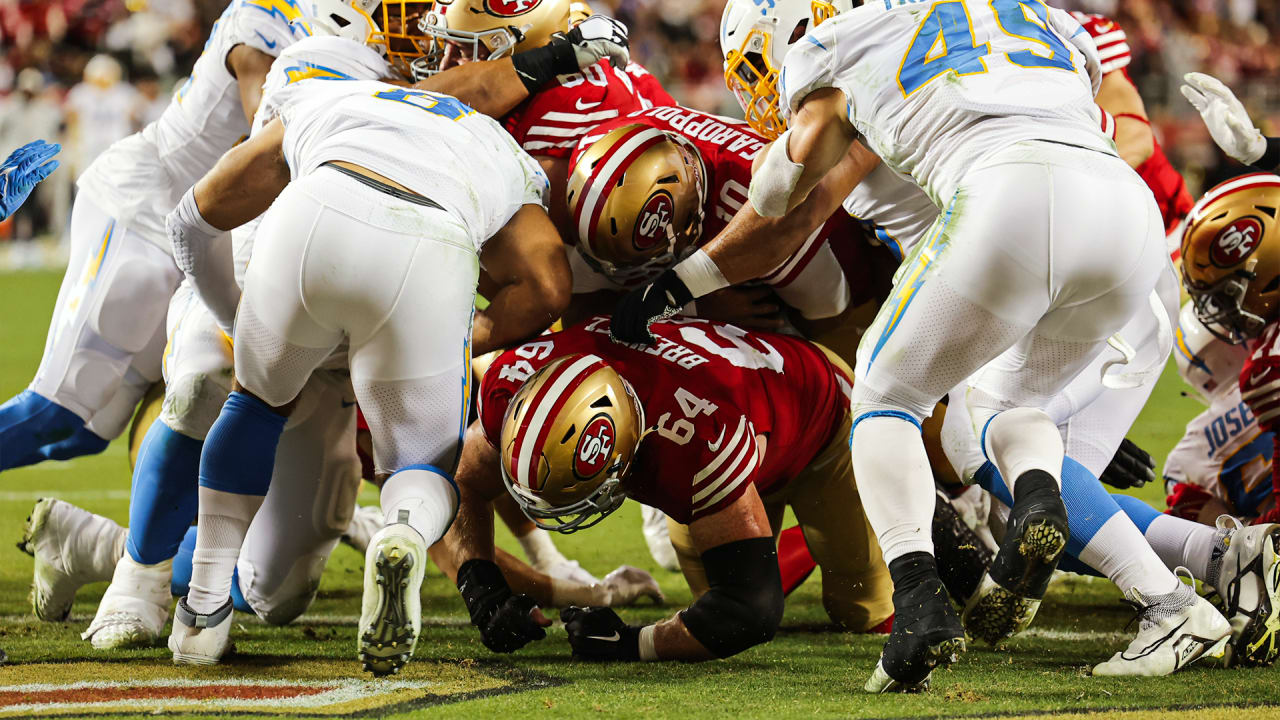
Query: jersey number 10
{"points": [[948, 25]]}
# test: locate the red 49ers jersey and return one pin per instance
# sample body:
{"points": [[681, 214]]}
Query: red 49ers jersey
{"points": [[550, 122], [1165, 182], [1260, 389], [707, 389], [819, 280]]}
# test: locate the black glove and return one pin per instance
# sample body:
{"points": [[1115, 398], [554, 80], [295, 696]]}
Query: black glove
{"points": [[642, 307], [504, 618], [1131, 467], [597, 633]]}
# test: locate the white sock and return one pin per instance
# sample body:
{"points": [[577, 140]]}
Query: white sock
{"points": [[895, 483], [539, 548], [1182, 542], [1023, 439], [1119, 551], [422, 499], [223, 522]]}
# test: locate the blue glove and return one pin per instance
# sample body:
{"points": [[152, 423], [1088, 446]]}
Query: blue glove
{"points": [[22, 171]]}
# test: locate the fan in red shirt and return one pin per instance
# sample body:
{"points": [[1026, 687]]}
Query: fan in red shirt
{"points": [[1137, 144], [721, 428]]}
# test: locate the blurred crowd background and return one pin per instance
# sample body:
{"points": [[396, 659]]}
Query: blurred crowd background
{"points": [[88, 72]]}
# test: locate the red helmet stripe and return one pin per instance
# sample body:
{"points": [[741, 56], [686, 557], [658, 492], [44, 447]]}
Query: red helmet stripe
{"points": [[1244, 182], [541, 414], [604, 176]]}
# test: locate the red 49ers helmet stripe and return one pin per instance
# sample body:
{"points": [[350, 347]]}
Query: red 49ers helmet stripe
{"points": [[606, 174], [1244, 182], [544, 407]]}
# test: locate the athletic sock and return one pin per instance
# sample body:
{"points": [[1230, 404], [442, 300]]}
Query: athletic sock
{"points": [[180, 585], [895, 483], [422, 497], [235, 473], [163, 500], [1021, 440], [1178, 542]]}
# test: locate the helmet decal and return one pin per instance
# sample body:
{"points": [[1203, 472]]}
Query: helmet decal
{"points": [[595, 447], [654, 223], [1236, 242], [509, 8]]}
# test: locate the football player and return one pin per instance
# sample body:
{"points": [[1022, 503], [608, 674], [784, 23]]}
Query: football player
{"points": [[22, 171], [720, 428], [107, 332], [1002, 117]]}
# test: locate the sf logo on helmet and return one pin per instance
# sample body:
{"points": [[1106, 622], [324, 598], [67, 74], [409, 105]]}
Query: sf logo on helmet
{"points": [[654, 221], [1236, 242], [510, 8], [594, 447]]}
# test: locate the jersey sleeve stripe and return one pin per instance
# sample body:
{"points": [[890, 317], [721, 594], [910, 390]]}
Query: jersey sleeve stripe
{"points": [[562, 132], [543, 145], [1114, 65], [1115, 52], [1114, 36], [594, 117], [746, 451], [605, 177], [730, 486], [725, 452], [791, 269]]}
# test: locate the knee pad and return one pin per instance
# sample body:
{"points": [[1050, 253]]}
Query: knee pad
{"points": [[131, 307], [866, 403]]}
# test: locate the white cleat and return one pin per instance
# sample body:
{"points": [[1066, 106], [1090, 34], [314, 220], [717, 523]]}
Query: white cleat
{"points": [[1249, 584], [1169, 642], [628, 584], [391, 612], [567, 570], [134, 608], [72, 548], [365, 521], [200, 639], [658, 538]]}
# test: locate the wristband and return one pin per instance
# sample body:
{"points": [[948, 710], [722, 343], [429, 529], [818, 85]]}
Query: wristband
{"points": [[1270, 160], [482, 586], [700, 274], [541, 65], [648, 652], [773, 184]]}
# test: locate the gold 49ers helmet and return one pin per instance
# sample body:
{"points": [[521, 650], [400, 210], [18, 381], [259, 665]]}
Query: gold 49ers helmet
{"points": [[489, 29], [1231, 256], [567, 440], [636, 197], [754, 37]]}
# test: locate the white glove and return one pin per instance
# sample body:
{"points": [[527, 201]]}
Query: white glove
{"points": [[628, 584], [599, 37], [1225, 116]]}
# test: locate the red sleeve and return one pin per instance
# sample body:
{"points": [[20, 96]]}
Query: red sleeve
{"points": [[1113, 45], [504, 379], [1260, 389]]}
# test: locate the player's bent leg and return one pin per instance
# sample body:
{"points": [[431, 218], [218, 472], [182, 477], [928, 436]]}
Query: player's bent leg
{"points": [[29, 422], [689, 558], [72, 547]]}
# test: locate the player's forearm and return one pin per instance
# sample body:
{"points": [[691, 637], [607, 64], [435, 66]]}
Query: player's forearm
{"points": [[491, 87], [518, 311], [246, 180], [1134, 140], [819, 139]]}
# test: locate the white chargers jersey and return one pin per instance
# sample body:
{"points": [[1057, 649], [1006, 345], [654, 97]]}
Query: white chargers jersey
{"points": [[432, 144], [322, 58], [935, 87], [139, 179], [893, 208], [1225, 453]]}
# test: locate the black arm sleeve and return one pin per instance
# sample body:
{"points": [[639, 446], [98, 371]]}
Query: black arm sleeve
{"points": [[1270, 160], [743, 606]]}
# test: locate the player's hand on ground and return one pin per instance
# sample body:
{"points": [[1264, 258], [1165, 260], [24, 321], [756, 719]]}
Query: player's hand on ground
{"points": [[628, 584], [643, 306], [1131, 467], [600, 37], [597, 633], [754, 308], [22, 171], [515, 623], [1225, 116]]}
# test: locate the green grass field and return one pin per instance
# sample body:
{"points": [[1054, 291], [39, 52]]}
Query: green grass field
{"points": [[807, 671]]}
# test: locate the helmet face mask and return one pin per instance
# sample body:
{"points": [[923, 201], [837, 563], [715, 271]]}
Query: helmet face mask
{"points": [[568, 439], [1219, 308], [460, 31], [1207, 363], [402, 44]]}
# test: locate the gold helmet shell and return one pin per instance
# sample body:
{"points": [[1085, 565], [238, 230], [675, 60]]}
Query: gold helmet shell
{"points": [[636, 197], [1231, 256], [502, 27], [567, 440]]}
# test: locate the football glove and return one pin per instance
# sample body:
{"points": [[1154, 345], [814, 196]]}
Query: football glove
{"points": [[597, 633], [505, 620], [1225, 116], [1131, 467], [644, 306], [22, 171], [600, 37]]}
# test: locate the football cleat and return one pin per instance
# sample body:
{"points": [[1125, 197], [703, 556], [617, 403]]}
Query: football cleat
{"points": [[658, 538], [1169, 639], [926, 632], [365, 521], [72, 547], [133, 611], [199, 638], [1248, 581], [1036, 535], [391, 614], [963, 557]]}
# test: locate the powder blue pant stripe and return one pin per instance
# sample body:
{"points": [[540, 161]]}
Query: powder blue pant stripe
{"points": [[180, 585], [882, 413], [240, 451], [165, 494]]}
